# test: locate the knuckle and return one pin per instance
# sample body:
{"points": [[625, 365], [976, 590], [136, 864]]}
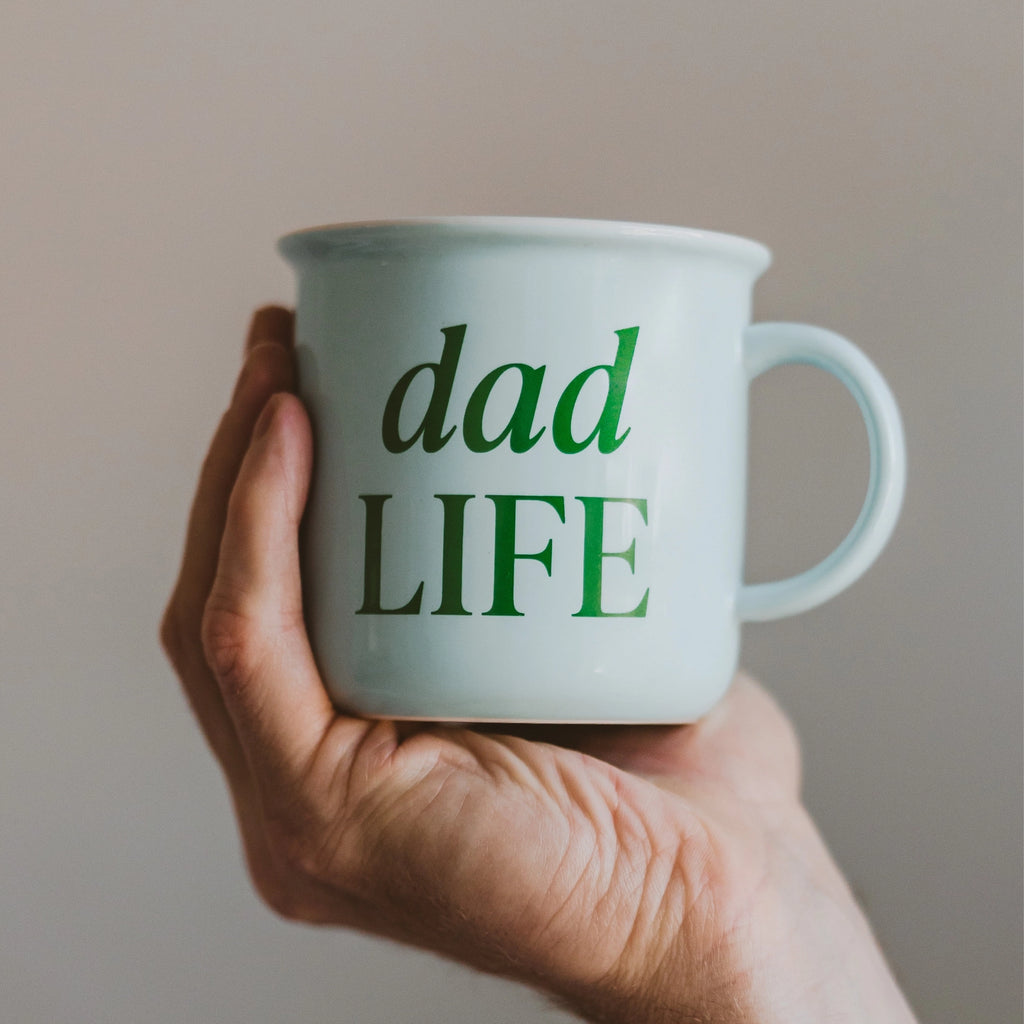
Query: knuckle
{"points": [[288, 906], [317, 846], [283, 875], [231, 642], [277, 892], [298, 848]]}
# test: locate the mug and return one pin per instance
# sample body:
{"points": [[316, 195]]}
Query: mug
{"points": [[528, 499]]}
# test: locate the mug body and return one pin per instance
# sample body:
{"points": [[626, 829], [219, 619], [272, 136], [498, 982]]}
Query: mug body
{"points": [[529, 487]]}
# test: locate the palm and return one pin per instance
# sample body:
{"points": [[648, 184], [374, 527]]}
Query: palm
{"points": [[587, 860]]}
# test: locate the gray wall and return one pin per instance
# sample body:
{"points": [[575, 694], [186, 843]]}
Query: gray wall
{"points": [[151, 154]]}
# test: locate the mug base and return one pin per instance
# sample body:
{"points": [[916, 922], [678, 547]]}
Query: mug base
{"points": [[456, 723]]}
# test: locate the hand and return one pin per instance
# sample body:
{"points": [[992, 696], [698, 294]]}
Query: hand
{"points": [[635, 874]]}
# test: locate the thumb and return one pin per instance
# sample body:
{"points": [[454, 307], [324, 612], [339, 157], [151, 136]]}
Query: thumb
{"points": [[745, 741], [254, 636]]}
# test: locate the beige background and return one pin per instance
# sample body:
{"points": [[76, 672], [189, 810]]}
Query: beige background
{"points": [[151, 153]]}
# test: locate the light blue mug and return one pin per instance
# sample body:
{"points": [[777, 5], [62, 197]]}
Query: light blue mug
{"points": [[529, 494]]}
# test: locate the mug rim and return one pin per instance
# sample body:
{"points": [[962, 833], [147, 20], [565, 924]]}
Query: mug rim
{"points": [[330, 239]]}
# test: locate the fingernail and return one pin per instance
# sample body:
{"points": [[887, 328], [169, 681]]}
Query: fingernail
{"points": [[270, 323]]}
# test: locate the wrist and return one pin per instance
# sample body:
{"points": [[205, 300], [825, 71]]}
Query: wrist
{"points": [[790, 947]]}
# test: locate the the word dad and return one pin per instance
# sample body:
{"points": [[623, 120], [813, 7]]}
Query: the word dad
{"points": [[519, 430]]}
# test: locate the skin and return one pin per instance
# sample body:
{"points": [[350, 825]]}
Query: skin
{"points": [[640, 874]]}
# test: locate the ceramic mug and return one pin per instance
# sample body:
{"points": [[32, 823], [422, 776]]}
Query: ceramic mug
{"points": [[528, 500]]}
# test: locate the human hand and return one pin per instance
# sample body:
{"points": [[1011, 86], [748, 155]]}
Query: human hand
{"points": [[640, 874]]}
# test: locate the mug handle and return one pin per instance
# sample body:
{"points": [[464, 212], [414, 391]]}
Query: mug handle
{"points": [[768, 345]]}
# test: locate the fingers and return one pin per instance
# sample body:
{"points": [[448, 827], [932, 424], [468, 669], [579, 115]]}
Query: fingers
{"points": [[271, 323], [253, 632], [268, 368]]}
